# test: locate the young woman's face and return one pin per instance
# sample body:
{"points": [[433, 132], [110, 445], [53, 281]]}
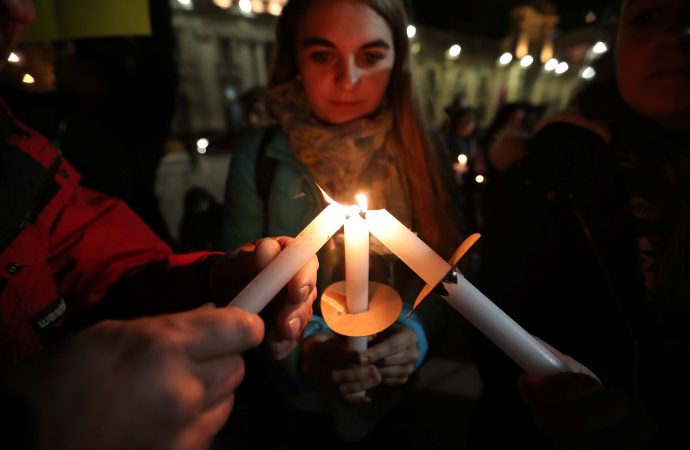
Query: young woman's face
{"points": [[653, 59], [345, 56]]}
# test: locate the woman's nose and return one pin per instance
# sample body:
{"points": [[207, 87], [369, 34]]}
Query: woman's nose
{"points": [[349, 74]]}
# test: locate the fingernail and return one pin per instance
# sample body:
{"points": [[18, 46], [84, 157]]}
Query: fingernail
{"points": [[304, 292], [295, 325]]}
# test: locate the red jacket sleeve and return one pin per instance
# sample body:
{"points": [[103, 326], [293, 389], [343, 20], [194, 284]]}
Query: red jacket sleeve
{"points": [[103, 250]]}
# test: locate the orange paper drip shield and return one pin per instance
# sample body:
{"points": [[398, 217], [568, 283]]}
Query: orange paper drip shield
{"points": [[457, 256], [385, 306]]}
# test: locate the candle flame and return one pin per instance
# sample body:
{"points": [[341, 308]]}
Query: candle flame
{"points": [[362, 202], [327, 197]]}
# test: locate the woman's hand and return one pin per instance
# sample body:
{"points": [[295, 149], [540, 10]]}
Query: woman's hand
{"points": [[394, 352], [328, 363]]}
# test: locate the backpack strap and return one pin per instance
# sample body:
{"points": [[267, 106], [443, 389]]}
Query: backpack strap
{"points": [[264, 173]]}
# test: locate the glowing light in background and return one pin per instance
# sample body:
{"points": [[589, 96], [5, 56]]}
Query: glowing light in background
{"points": [[588, 73], [245, 6], [599, 48], [202, 145], [562, 67], [505, 58], [454, 51], [28, 79], [551, 64], [411, 31], [526, 61], [13, 58]]}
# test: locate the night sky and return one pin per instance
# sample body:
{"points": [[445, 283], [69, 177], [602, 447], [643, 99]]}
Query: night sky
{"points": [[490, 18]]}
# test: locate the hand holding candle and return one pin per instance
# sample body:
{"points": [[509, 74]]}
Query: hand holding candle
{"points": [[266, 285], [357, 269]]}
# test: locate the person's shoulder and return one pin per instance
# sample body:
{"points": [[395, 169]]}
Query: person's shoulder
{"points": [[571, 122], [569, 150], [251, 140]]}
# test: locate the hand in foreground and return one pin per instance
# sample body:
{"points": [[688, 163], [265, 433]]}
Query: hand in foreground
{"points": [[394, 352], [165, 382], [328, 364], [288, 315], [576, 411]]}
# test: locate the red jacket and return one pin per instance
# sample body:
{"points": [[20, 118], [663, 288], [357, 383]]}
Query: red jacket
{"points": [[69, 255]]}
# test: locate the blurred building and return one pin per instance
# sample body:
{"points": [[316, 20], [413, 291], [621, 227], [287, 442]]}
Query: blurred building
{"points": [[224, 49]]}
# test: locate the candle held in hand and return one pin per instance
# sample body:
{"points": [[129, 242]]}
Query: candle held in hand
{"points": [[266, 285], [357, 269]]}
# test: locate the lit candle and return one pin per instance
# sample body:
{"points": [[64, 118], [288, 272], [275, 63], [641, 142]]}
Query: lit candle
{"points": [[357, 269], [503, 331], [266, 285]]}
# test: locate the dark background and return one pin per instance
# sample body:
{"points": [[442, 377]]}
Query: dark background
{"points": [[490, 18]]}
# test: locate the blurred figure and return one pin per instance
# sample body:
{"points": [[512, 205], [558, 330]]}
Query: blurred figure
{"points": [[504, 139], [200, 224], [587, 245]]}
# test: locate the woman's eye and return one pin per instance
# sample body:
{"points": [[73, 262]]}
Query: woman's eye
{"points": [[372, 58], [320, 56], [645, 18]]}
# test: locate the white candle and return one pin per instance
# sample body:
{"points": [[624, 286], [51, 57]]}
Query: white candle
{"points": [[503, 331], [407, 246], [357, 272], [266, 285], [356, 264]]}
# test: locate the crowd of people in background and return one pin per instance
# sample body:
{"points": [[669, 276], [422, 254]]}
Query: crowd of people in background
{"points": [[584, 215]]}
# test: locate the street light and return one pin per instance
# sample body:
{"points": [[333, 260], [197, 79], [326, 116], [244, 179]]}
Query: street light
{"points": [[505, 58], [526, 61]]}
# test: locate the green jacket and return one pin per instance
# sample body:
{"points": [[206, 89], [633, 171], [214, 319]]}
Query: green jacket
{"points": [[293, 201]]}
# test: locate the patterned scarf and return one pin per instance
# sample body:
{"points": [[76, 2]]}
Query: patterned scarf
{"points": [[344, 159]]}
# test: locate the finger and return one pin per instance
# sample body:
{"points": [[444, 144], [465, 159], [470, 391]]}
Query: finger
{"points": [[401, 371], [199, 434], [213, 333], [303, 282], [220, 378], [395, 343], [570, 362], [359, 385], [556, 389], [266, 250], [293, 318], [406, 357], [394, 381], [356, 376]]}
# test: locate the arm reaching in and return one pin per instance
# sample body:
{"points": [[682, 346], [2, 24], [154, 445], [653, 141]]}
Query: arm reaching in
{"points": [[576, 411], [159, 382], [286, 316]]}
